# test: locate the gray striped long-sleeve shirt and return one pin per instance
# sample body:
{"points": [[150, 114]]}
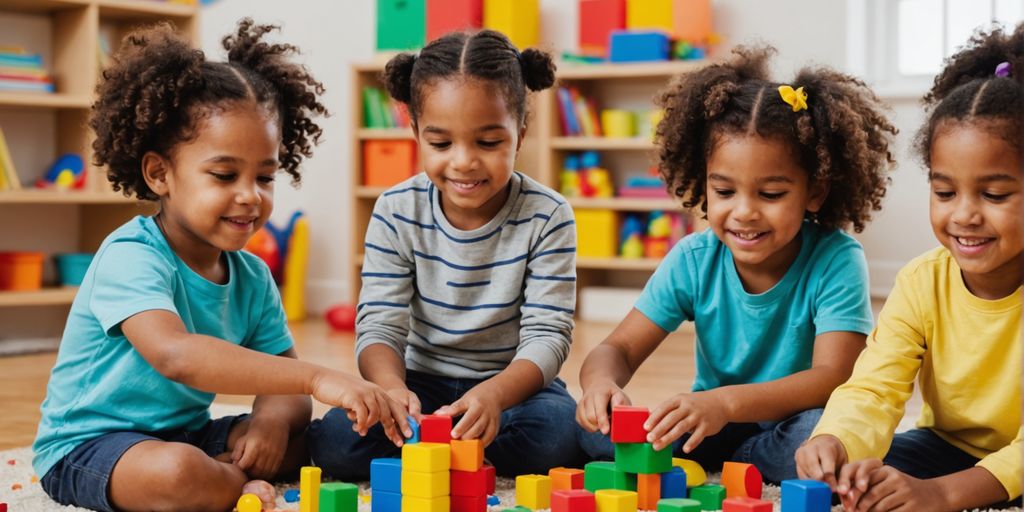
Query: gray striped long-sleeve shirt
{"points": [[467, 303]]}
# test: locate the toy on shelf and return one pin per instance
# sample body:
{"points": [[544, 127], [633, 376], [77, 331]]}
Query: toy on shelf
{"points": [[595, 180], [596, 233], [570, 176], [618, 123], [517, 19], [659, 230], [401, 24], [597, 20], [445, 16], [286, 250], [647, 187], [637, 46], [66, 173], [632, 238]]}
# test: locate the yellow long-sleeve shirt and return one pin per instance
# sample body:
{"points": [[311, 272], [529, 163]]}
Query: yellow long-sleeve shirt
{"points": [[965, 352]]}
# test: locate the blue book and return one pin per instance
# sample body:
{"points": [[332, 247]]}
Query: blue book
{"points": [[568, 112], [21, 61], [21, 85]]}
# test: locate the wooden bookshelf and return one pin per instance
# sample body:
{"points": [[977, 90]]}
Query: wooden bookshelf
{"points": [[602, 143], [384, 133], [60, 296]]}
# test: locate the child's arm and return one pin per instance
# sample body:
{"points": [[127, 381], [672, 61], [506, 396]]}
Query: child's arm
{"points": [[868, 485], [380, 364], [481, 406]]}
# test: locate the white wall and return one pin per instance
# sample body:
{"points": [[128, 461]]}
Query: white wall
{"points": [[334, 34]]}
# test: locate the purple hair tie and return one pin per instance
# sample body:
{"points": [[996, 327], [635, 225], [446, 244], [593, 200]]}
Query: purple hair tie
{"points": [[1003, 69]]}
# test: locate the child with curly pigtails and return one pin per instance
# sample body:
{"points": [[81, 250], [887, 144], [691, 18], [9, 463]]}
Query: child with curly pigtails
{"points": [[171, 310], [777, 290]]}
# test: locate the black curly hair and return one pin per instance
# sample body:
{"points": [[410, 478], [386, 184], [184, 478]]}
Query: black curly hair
{"points": [[969, 91], [484, 55], [159, 88], [842, 139]]}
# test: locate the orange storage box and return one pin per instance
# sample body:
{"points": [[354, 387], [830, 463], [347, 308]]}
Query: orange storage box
{"points": [[21, 271], [388, 162]]}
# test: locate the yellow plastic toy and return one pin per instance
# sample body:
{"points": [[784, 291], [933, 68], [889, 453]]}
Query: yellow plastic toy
{"points": [[420, 484], [596, 233], [649, 15], [426, 457], [293, 291], [439, 504], [533, 491], [249, 503], [612, 500], [599, 182], [695, 475], [309, 489], [517, 19], [618, 123]]}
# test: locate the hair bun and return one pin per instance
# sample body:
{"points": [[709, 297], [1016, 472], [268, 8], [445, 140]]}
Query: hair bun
{"points": [[538, 69], [398, 76]]}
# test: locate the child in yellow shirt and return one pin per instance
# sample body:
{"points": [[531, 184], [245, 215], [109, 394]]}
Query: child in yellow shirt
{"points": [[953, 318]]}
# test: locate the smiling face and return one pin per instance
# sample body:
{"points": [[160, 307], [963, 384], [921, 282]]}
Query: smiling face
{"points": [[757, 196], [217, 189], [976, 208], [468, 140]]}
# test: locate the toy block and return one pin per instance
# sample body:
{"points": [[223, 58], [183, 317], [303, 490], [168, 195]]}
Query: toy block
{"points": [[469, 503], [533, 491], [470, 483], [384, 501], [597, 20], [388, 162], [291, 496], [445, 16], [642, 458], [678, 505], [3, 507], [438, 504], [419, 484], [435, 429], [489, 477], [401, 24], [709, 496], [426, 457], [572, 500], [628, 424], [618, 123], [386, 475], [745, 504], [566, 478], [517, 508], [614, 500], [339, 497], [695, 475], [806, 496], [604, 475], [648, 490], [741, 480], [246, 503], [649, 15], [691, 20], [467, 454], [415, 427], [597, 236], [493, 501], [673, 483], [517, 19], [309, 489], [629, 46]]}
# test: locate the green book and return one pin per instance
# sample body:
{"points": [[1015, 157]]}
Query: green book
{"points": [[372, 115]]}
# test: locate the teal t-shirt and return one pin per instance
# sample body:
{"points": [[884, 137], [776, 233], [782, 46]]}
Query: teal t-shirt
{"points": [[100, 384], [744, 338]]}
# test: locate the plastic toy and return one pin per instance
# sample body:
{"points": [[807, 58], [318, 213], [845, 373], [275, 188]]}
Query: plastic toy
{"points": [[264, 246], [648, 490], [401, 24], [614, 500], [425, 484], [493, 501], [806, 496], [309, 489], [691, 20], [291, 495], [629, 46], [604, 475], [597, 20], [745, 504], [438, 504], [445, 16], [628, 425], [426, 457], [388, 162], [649, 15], [595, 180], [469, 503], [618, 123], [384, 501], [673, 483], [339, 497], [695, 475], [533, 491], [596, 233], [386, 475], [342, 317], [249, 503], [471, 483], [467, 454], [66, 173], [435, 429], [572, 500], [642, 458], [566, 478], [570, 177], [293, 296], [709, 496], [415, 427], [741, 480], [678, 505], [517, 19], [659, 229]]}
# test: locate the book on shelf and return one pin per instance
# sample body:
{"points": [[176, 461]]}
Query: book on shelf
{"points": [[577, 114], [21, 71], [8, 175], [379, 111]]}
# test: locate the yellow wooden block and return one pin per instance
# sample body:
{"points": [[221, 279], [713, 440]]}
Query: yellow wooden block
{"points": [[439, 504], [596, 233], [695, 475], [517, 19], [649, 15], [426, 457], [309, 489], [467, 454], [611, 500], [533, 491], [419, 484]]}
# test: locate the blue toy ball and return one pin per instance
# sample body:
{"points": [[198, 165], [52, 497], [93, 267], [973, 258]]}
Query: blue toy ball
{"points": [[291, 495]]}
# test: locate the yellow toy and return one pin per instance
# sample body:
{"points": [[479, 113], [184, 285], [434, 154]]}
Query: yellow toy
{"points": [[249, 503], [596, 233], [618, 123], [309, 489], [439, 504], [534, 491], [612, 500], [420, 484], [517, 19], [649, 15], [426, 457], [695, 475], [293, 292]]}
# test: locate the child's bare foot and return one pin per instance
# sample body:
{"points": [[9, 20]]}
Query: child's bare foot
{"points": [[264, 491]]}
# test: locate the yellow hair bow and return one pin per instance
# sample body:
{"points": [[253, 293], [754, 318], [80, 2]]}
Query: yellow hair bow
{"points": [[796, 98]]}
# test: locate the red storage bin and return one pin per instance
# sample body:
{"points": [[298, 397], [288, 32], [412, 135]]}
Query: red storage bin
{"points": [[388, 162], [21, 271]]}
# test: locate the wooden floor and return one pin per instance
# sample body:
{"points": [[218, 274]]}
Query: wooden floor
{"points": [[23, 378]]}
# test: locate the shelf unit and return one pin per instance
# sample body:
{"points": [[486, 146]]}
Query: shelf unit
{"points": [[67, 33], [542, 155]]}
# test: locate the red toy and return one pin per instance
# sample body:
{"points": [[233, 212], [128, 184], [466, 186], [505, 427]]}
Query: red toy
{"points": [[445, 16], [628, 424], [469, 503], [741, 480], [342, 317], [436, 429], [598, 19], [572, 500], [472, 483], [743, 504]]}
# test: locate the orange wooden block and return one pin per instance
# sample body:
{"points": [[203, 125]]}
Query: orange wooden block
{"points": [[566, 479], [467, 454], [648, 489], [388, 162], [741, 480], [691, 20]]}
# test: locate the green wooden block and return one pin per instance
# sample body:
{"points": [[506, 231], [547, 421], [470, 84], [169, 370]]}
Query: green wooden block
{"points": [[401, 24], [642, 458], [678, 505], [709, 496], [604, 475], [339, 497], [517, 508]]}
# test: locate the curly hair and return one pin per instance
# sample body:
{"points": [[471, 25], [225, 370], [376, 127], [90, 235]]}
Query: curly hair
{"points": [[485, 55], [842, 139], [158, 89], [969, 91]]}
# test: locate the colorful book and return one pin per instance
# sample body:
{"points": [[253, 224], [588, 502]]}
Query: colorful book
{"points": [[21, 61], [25, 86], [10, 175], [572, 126], [372, 117]]}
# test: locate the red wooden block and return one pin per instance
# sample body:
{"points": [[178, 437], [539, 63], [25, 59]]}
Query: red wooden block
{"points": [[566, 478], [741, 480], [471, 483], [3, 507], [469, 503], [598, 19], [436, 429], [648, 489], [628, 424], [744, 504], [572, 500], [489, 477], [445, 16]]}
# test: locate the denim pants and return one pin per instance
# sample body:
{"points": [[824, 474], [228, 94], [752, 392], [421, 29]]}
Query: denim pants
{"points": [[535, 435], [770, 446]]}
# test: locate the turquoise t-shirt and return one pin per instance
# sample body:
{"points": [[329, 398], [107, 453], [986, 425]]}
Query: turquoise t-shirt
{"points": [[100, 384], [744, 338]]}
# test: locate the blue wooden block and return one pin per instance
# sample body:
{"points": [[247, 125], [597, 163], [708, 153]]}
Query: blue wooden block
{"points": [[806, 496], [383, 501], [636, 46], [386, 475], [673, 483], [493, 501], [291, 495], [415, 430]]}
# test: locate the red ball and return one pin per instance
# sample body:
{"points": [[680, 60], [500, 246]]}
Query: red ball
{"points": [[342, 317]]}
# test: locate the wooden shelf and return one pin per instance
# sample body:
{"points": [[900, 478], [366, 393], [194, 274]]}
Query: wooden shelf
{"points": [[384, 133], [641, 264], [37, 196], [46, 297], [142, 9], [626, 70], [370, 192], [602, 143], [625, 204], [41, 6], [43, 100]]}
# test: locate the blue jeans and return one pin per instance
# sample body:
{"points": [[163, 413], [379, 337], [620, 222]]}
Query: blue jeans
{"points": [[770, 446], [535, 436]]}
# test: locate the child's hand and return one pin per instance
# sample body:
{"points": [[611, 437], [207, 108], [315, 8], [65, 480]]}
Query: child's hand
{"points": [[481, 416], [407, 399], [886, 488], [365, 402], [598, 399], [698, 413], [260, 450], [820, 459]]}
